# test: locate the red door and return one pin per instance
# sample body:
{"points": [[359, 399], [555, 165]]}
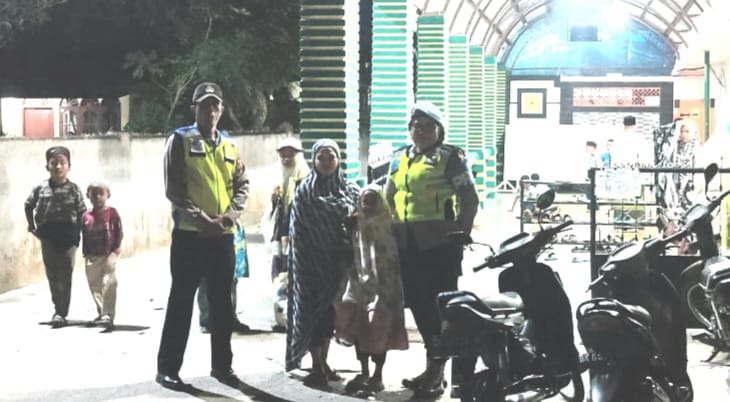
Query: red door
{"points": [[38, 122]]}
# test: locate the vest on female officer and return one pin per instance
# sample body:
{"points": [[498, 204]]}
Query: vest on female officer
{"points": [[423, 190], [208, 174]]}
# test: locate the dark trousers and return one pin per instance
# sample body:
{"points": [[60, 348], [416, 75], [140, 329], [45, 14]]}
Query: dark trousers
{"points": [[59, 265], [426, 273], [193, 257], [203, 307]]}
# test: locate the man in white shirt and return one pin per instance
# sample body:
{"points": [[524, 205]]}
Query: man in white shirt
{"points": [[630, 149]]}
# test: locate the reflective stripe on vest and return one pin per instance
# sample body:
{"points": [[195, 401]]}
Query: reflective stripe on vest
{"points": [[208, 175], [422, 190]]}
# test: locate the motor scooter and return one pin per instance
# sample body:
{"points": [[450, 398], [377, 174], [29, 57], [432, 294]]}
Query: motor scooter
{"points": [[705, 285], [522, 336], [635, 337]]}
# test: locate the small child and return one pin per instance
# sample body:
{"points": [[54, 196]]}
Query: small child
{"points": [[371, 313], [102, 233], [53, 211]]}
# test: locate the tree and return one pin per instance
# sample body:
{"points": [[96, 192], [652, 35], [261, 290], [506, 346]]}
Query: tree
{"points": [[163, 47], [20, 15], [250, 47]]}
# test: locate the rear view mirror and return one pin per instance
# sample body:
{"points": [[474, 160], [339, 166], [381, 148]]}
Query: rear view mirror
{"points": [[545, 199], [710, 173]]}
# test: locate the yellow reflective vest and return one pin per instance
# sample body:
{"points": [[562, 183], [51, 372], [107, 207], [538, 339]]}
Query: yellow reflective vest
{"points": [[423, 192], [208, 174]]}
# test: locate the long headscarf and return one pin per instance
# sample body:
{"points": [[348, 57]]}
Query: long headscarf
{"points": [[316, 251], [289, 175], [371, 312]]}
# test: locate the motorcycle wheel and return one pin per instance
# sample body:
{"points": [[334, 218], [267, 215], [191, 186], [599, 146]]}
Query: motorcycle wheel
{"points": [[579, 391], [694, 303]]}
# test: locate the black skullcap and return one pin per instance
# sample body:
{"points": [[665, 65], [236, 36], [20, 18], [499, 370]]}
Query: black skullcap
{"points": [[58, 150], [629, 121]]}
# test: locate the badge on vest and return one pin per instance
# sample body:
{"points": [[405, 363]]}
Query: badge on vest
{"points": [[432, 160], [197, 148], [229, 155]]}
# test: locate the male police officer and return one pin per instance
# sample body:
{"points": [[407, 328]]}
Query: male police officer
{"points": [[207, 185]]}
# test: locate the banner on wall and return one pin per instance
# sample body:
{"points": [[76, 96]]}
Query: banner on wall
{"points": [[618, 184], [556, 152]]}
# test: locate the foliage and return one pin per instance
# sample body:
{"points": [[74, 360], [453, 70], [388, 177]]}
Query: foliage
{"points": [[150, 116], [19, 15], [250, 47]]}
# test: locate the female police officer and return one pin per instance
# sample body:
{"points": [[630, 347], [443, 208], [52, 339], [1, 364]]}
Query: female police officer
{"points": [[431, 193]]}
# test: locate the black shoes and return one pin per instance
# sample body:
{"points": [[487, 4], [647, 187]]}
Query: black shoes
{"points": [[171, 381], [240, 328], [58, 321], [237, 327], [227, 377]]}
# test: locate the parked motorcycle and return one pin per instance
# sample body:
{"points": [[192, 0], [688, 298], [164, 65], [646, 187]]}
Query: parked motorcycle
{"points": [[523, 335], [636, 336], [705, 285]]}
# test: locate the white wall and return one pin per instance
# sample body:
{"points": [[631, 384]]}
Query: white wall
{"points": [[133, 165], [556, 152], [12, 116]]}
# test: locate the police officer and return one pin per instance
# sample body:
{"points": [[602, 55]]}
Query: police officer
{"points": [[207, 185], [431, 193]]}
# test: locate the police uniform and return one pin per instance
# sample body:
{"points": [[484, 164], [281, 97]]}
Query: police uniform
{"points": [[431, 194], [203, 179]]}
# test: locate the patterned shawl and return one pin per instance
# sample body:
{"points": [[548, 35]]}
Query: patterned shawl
{"points": [[316, 253], [371, 312]]}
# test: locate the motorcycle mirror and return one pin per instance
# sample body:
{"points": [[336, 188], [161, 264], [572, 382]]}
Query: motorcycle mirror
{"points": [[459, 237], [545, 199], [595, 282], [710, 173]]}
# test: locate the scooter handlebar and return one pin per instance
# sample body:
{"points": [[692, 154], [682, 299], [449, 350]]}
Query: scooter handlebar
{"points": [[493, 261], [716, 202], [540, 239]]}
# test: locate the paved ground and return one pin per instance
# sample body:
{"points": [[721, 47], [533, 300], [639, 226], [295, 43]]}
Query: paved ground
{"points": [[78, 363]]}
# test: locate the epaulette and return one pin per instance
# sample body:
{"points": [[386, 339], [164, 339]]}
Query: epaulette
{"points": [[187, 130], [401, 150]]}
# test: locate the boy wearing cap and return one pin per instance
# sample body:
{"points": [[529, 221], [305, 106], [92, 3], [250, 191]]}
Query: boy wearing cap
{"points": [[53, 210], [206, 183], [102, 235]]}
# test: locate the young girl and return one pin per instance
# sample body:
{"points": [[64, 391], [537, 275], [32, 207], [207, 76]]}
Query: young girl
{"points": [[371, 313]]}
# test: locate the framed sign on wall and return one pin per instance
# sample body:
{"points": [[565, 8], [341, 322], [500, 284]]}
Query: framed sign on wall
{"points": [[531, 103]]}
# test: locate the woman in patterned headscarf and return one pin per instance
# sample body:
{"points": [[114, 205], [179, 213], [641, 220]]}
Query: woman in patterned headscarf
{"points": [[318, 250]]}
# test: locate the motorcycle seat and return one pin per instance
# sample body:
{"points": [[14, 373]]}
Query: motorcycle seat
{"points": [[638, 313], [505, 303]]}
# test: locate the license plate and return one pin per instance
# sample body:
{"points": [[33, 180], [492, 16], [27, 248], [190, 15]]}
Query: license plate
{"points": [[465, 344], [594, 360]]}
